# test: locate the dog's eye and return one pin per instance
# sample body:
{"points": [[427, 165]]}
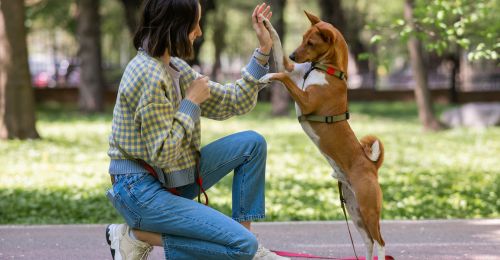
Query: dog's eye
{"points": [[309, 43]]}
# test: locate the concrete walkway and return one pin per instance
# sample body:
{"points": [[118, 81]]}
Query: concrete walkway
{"points": [[439, 239]]}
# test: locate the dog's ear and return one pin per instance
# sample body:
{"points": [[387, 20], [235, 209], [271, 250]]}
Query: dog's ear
{"points": [[327, 35], [314, 19]]}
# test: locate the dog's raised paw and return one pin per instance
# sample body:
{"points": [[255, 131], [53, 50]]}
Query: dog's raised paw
{"points": [[266, 78]]}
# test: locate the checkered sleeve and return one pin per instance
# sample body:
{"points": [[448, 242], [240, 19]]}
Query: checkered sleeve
{"points": [[230, 99], [164, 130]]}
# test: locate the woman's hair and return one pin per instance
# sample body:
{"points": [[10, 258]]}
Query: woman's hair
{"points": [[165, 26]]}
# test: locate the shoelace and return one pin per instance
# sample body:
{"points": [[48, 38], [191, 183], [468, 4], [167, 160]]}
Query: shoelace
{"points": [[145, 254], [262, 251]]}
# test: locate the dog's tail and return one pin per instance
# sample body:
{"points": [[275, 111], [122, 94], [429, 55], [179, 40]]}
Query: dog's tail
{"points": [[373, 148]]}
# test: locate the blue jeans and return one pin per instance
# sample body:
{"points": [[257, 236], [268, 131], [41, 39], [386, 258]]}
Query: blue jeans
{"points": [[191, 230]]}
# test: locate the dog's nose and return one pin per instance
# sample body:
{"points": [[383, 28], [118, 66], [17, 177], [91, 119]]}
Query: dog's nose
{"points": [[292, 56]]}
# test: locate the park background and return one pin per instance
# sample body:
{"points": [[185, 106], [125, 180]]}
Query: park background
{"points": [[410, 61]]}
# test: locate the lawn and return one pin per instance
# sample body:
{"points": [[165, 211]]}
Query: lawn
{"points": [[451, 174]]}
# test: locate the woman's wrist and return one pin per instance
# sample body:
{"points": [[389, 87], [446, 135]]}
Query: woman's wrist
{"points": [[192, 100], [261, 57]]}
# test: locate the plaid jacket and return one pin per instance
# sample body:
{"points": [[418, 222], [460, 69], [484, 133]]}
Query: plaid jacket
{"points": [[152, 124]]}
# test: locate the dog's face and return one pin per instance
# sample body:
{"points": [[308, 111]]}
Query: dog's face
{"points": [[322, 43]]}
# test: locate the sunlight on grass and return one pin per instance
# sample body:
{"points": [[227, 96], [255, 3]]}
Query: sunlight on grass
{"points": [[451, 174]]}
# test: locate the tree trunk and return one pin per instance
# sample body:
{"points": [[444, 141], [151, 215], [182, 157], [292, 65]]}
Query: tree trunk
{"points": [[372, 68], [422, 92], [132, 9], [17, 108], [89, 36], [219, 40], [332, 12], [454, 58], [280, 99]]}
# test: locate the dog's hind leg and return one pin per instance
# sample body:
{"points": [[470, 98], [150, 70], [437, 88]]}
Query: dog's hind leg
{"points": [[353, 209], [381, 251], [373, 224]]}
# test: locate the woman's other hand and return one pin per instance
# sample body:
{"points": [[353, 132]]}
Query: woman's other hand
{"points": [[260, 30], [198, 91]]}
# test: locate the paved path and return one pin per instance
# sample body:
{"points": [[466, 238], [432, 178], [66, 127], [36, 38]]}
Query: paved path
{"points": [[440, 239]]}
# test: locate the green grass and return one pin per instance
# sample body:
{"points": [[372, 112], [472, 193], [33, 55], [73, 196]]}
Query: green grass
{"points": [[451, 174]]}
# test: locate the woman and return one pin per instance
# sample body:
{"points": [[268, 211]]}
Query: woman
{"points": [[155, 141]]}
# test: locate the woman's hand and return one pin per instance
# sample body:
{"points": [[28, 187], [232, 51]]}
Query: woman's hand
{"points": [[260, 30], [198, 91]]}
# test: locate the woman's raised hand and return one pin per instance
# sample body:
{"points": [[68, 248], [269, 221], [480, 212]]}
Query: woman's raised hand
{"points": [[260, 30]]}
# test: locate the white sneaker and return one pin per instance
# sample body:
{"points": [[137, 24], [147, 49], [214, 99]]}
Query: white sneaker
{"points": [[265, 254], [122, 246]]}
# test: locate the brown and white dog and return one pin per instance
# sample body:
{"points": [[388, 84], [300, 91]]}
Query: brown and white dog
{"points": [[317, 83]]}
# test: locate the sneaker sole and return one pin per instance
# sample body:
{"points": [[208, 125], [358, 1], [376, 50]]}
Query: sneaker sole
{"points": [[108, 230]]}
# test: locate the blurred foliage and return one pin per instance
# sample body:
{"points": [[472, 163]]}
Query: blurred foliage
{"points": [[444, 26], [240, 38], [474, 25], [451, 174], [45, 14], [60, 15], [49, 15]]}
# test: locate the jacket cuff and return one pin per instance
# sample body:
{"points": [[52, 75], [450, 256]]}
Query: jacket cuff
{"points": [[191, 109], [256, 69]]}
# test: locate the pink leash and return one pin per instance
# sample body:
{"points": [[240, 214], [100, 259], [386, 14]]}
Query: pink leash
{"points": [[291, 254]]}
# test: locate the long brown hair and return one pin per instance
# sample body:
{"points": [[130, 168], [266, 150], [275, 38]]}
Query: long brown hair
{"points": [[165, 26]]}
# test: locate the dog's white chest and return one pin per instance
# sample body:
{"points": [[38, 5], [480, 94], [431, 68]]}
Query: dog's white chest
{"points": [[314, 78]]}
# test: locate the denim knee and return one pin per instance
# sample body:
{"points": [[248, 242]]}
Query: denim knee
{"points": [[256, 139], [247, 247]]}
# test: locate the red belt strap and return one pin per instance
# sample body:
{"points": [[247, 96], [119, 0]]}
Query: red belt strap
{"points": [[153, 173], [199, 180], [174, 191]]}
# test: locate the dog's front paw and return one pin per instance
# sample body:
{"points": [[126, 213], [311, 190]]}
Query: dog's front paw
{"points": [[266, 79]]}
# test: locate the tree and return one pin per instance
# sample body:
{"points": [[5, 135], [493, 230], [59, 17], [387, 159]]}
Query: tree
{"points": [[17, 110], [446, 27], [219, 38], [422, 92], [88, 31], [442, 30], [280, 99], [450, 28]]}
